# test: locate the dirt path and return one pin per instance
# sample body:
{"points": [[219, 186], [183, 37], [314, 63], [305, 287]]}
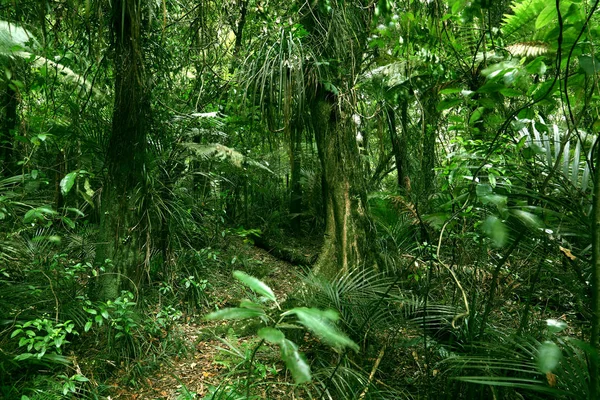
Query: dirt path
{"points": [[191, 376]]}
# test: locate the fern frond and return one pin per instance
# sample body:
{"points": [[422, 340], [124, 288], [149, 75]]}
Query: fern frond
{"points": [[528, 49], [224, 154], [525, 12]]}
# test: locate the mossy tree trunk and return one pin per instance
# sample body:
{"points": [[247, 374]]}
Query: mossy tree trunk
{"points": [[10, 103], [346, 244], [121, 225], [338, 33], [595, 284]]}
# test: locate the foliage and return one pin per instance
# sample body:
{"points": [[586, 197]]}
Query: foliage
{"points": [[320, 323]]}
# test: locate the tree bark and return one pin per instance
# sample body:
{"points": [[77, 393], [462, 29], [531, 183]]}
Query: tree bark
{"points": [[10, 102], [595, 335], [121, 224], [345, 245], [430, 126], [295, 154], [399, 143]]}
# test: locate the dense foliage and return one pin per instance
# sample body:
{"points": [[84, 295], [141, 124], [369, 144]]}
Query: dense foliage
{"points": [[429, 170]]}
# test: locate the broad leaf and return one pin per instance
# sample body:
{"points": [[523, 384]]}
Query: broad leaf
{"points": [[256, 285], [495, 229], [271, 335], [67, 182], [321, 324], [234, 313], [589, 64], [548, 357], [299, 369], [547, 15]]}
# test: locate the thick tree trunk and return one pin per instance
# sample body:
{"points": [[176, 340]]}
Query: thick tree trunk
{"points": [[345, 245], [121, 226]]}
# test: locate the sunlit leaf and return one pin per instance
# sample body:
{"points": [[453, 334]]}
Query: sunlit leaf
{"points": [[496, 230], [234, 313], [548, 356], [256, 285], [294, 362], [67, 182], [321, 324], [271, 335]]}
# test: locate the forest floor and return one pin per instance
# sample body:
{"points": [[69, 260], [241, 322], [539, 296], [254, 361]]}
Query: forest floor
{"points": [[208, 359]]}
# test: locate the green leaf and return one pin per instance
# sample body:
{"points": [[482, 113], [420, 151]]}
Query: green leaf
{"points": [[476, 115], [555, 326], [295, 362], [483, 189], [38, 213], [234, 313], [255, 284], [449, 103], [321, 324], [271, 335], [528, 219], [67, 182], [495, 229], [548, 356], [589, 64], [23, 356], [450, 90], [88, 326], [510, 92], [547, 15], [251, 305], [80, 378]]}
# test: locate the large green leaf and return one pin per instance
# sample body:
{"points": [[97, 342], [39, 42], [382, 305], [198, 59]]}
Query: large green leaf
{"points": [[321, 324], [547, 15], [256, 285], [495, 229], [234, 313], [271, 335], [67, 182], [548, 357], [13, 38], [294, 362], [38, 214]]}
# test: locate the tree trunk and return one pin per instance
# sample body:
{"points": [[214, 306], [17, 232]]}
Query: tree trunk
{"points": [[10, 102], [345, 246], [429, 126], [595, 336], [121, 226], [295, 144], [399, 143]]}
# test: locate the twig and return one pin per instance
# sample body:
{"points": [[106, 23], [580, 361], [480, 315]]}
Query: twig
{"points": [[372, 374]]}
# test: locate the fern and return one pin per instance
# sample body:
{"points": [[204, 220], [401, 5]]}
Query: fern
{"points": [[525, 12], [223, 154]]}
